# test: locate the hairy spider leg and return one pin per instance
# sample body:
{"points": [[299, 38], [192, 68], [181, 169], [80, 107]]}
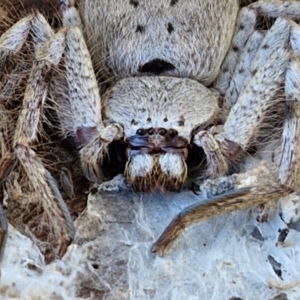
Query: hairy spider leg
{"points": [[275, 63]]}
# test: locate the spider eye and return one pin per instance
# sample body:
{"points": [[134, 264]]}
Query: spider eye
{"points": [[141, 131], [173, 133], [151, 131], [162, 131]]}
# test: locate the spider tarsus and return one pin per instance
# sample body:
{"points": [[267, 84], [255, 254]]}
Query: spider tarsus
{"points": [[159, 250], [64, 212], [171, 233]]}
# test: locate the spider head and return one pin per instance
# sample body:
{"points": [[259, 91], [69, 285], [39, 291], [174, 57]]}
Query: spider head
{"points": [[159, 116]]}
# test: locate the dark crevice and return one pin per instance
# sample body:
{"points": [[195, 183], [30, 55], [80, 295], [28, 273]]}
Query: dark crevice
{"points": [[257, 234], [276, 266], [281, 296]]}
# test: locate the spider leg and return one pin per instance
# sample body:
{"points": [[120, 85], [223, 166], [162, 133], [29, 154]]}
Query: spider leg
{"points": [[47, 55], [268, 71], [241, 75], [275, 63], [78, 103], [290, 159], [247, 40], [244, 29], [49, 48], [13, 39], [222, 204]]}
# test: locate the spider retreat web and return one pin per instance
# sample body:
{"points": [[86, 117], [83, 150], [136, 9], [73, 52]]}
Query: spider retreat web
{"points": [[235, 256]]}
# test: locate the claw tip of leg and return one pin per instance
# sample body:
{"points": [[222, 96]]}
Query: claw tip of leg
{"points": [[159, 251]]}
